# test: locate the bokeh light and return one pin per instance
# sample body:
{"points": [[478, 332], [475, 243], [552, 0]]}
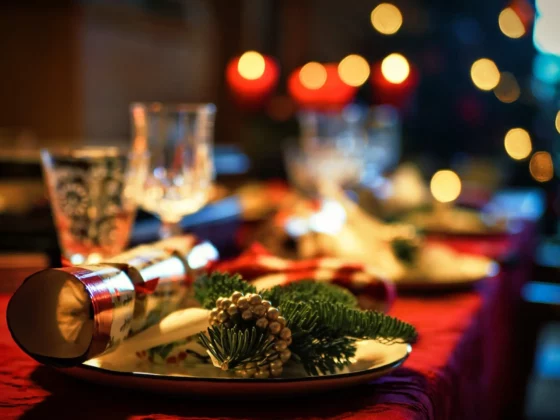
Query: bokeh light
{"points": [[251, 65], [395, 68], [545, 32], [353, 70], [510, 23], [541, 167], [313, 75], [485, 74], [445, 186], [386, 18], [508, 90], [518, 143], [557, 121]]}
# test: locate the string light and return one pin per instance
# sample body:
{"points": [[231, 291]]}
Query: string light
{"points": [[445, 186], [541, 167], [508, 90], [395, 68], [353, 70], [485, 74], [510, 23], [518, 143], [313, 75], [386, 18], [251, 65]]}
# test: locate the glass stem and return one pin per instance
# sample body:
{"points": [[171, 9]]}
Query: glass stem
{"points": [[169, 229]]}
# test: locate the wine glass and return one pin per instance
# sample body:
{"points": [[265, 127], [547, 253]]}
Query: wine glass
{"points": [[328, 153], [382, 150], [179, 138]]}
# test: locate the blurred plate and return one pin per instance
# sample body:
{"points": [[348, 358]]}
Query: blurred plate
{"points": [[372, 360], [447, 284]]}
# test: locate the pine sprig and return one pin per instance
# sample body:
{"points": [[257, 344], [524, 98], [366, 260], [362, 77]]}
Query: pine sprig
{"points": [[324, 333], [306, 290], [405, 251], [231, 347], [324, 321], [209, 288], [340, 320]]}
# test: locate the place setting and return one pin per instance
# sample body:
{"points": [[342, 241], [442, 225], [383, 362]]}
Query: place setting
{"points": [[279, 210]]}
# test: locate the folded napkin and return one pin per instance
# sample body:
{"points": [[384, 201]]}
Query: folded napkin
{"points": [[338, 228], [265, 270]]}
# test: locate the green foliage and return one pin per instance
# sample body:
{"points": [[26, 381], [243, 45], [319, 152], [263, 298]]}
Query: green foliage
{"points": [[324, 319], [209, 288], [405, 250], [306, 290], [324, 333], [232, 347]]}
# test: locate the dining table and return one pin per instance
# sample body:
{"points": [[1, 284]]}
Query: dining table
{"points": [[463, 365]]}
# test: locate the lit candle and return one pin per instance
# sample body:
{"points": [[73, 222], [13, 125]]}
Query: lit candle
{"points": [[393, 80], [319, 86], [252, 77]]}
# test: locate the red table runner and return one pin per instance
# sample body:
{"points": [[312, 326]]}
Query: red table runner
{"points": [[460, 368]]}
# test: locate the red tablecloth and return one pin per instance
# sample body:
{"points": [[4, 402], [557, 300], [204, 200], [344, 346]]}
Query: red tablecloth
{"points": [[460, 368]]}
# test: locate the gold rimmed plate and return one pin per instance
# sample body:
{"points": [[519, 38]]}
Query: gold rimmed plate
{"points": [[372, 360]]}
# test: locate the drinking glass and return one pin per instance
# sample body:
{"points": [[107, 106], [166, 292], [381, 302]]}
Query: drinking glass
{"points": [[382, 150], [93, 192], [179, 138], [329, 151]]}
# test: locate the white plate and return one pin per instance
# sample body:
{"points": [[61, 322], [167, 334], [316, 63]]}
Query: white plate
{"points": [[373, 359]]}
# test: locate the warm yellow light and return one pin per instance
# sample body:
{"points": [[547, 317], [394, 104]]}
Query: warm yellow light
{"points": [[510, 23], [353, 70], [251, 65], [541, 167], [445, 186], [386, 18], [395, 68], [518, 143], [485, 74], [557, 122], [313, 75], [507, 90]]}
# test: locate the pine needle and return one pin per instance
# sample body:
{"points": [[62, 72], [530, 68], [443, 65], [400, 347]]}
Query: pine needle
{"points": [[231, 347], [209, 288], [305, 290]]}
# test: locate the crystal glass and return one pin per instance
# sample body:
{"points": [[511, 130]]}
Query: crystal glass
{"points": [[93, 198], [382, 150], [328, 153], [179, 138]]}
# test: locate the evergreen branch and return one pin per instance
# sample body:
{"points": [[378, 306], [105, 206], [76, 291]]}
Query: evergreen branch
{"points": [[372, 325], [405, 250], [231, 347], [324, 333], [209, 288], [306, 290]]}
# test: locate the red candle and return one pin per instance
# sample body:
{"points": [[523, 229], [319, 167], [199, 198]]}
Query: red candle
{"points": [[318, 86], [393, 80], [252, 78]]}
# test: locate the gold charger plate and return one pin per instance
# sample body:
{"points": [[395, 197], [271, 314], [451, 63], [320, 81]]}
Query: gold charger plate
{"points": [[373, 359]]}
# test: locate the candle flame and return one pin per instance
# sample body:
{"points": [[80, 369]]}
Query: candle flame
{"points": [[251, 65]]}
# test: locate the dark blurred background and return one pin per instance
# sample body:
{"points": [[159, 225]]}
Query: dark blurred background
{"points": [[70, 69]]}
